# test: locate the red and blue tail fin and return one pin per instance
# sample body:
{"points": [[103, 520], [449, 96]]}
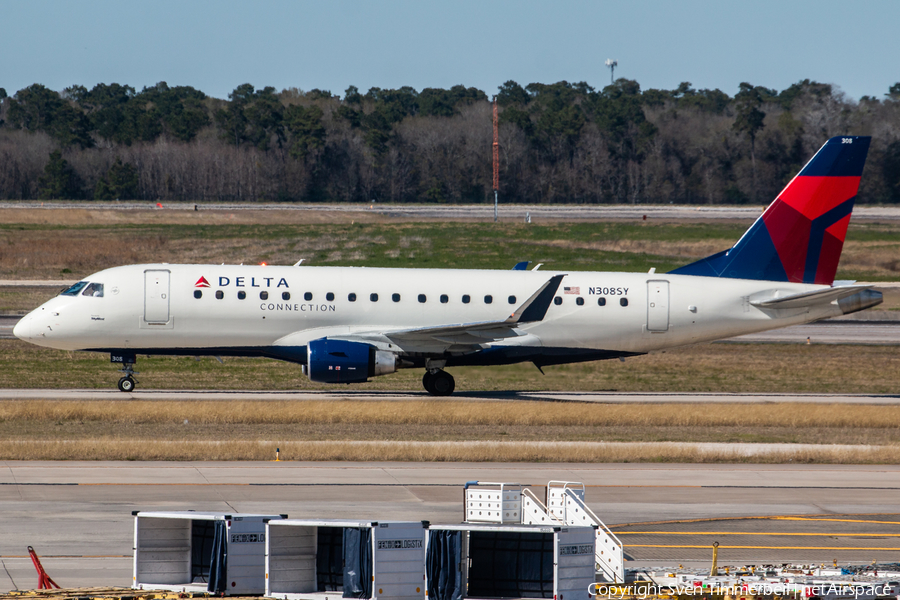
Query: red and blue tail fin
{"points": [[800, 235]]}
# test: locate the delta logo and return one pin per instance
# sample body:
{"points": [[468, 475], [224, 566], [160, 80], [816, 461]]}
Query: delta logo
{"points": [[242, 282]]}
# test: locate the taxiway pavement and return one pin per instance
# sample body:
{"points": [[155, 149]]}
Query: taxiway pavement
{"points": [[78, 517]]}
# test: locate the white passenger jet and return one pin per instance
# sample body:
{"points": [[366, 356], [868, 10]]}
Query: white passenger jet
{"points": [[346, 324]]}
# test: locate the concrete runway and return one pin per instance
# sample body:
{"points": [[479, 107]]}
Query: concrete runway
{"points": [[77, 515], [6, 326]]}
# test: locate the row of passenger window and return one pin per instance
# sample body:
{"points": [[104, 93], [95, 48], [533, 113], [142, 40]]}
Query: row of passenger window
{"points": [[466, 299], [601, 301]]}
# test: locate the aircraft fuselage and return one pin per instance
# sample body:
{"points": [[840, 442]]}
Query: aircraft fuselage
{"points": [[256, 310]]}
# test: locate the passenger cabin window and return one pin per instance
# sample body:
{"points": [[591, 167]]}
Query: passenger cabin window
{"points": [[466, 299], [557, 301], [579, 301], [73, 290], [242, 295], [198, 294], [351, 297], [395, 297], [264, 295], [93, 289], [422, 298], [445, 299], [329, 296], [373, 297], [623, 301], [307, 296], [511, 299], [287, 296], [488, 299], [601, 301], [219, 294]]}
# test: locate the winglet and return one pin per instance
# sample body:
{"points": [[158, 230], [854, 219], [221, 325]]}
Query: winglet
{"points": [[536, 306], [521, 266]]}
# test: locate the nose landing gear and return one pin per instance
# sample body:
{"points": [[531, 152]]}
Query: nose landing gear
{"points": [[438, 382], [127, 383]]}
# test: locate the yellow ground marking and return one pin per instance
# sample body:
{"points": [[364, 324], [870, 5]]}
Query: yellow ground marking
{"points": [[772, 517], [836, 520]]}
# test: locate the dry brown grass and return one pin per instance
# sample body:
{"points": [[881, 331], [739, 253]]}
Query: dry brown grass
{"points": [[878, 258], [446, 431], [454, 413], [580, 452], [688, 249], [47, 252], [153, 215]]}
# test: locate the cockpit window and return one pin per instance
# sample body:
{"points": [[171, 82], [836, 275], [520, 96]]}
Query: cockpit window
{"points": [[73, 291], [93, 289]]}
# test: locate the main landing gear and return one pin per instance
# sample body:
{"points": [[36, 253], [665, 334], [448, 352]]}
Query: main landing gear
{"points": [[438, 382], [127, 383]]}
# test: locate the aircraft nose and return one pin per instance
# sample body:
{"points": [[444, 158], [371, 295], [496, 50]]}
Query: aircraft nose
{"points": [[24, 329]]}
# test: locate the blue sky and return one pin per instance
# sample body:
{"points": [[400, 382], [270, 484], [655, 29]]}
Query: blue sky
{"points": [[218, 45]]}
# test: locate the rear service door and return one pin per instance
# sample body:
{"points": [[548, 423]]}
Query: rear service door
{"points": [[657, 306], [156, 296]]}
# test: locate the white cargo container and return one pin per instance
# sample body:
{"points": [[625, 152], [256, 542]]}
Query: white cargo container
{"points": [[314, 558], [493, 502], [200, 552], [475, 560]]}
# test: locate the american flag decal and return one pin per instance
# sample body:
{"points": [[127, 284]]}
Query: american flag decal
{"points": [[571, 290]]}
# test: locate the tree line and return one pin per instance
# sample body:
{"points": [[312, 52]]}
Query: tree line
{"points": [[559, 143]]}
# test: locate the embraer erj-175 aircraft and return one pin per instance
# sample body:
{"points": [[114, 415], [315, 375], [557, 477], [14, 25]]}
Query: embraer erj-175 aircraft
{"points": [[346, 324]]}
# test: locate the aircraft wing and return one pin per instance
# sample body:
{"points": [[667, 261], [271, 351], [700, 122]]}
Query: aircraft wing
{"points": [[464, 336], [810, 298]]}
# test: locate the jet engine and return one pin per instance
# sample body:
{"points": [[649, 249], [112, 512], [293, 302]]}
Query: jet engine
{"points": [[341, 361]]}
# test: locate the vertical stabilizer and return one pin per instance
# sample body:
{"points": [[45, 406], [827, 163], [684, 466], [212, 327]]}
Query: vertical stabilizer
{"points": [[800, 236]]}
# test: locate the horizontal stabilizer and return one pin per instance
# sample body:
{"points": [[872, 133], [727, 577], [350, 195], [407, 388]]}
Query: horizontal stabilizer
{"points": [[810, 298]]}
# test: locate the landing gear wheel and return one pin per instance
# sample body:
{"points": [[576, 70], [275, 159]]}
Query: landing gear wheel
{"points": [[126, 384], [427, 378], [441, 383]]}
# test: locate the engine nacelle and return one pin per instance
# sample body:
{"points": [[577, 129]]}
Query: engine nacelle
{"points": [[340, 361]]}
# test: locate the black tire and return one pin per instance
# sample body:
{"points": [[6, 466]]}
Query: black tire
{"points": [[126, 384], [427, 380], [442, 384]]}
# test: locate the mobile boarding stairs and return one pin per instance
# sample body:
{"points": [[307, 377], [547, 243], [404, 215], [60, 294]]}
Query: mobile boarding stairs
{"points": [[491, 502]]}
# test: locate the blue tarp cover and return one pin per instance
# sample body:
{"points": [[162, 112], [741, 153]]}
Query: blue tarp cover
{"points": [[357, 562], [218, 568], [442, 565]]}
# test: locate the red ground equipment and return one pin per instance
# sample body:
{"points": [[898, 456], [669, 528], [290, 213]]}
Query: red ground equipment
{"points": [[44, 581]]}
